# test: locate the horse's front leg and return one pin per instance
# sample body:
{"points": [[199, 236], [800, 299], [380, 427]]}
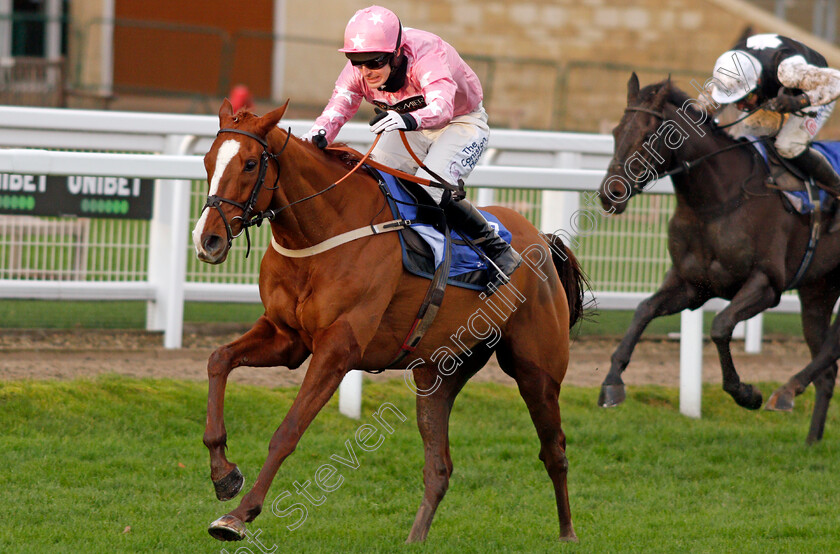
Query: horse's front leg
{"points": [[335, 353], [675, 295], [264, 345], [753, 298]]}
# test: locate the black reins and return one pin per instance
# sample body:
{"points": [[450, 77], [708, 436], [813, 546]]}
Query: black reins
{"points": [[214, 201], [687, 166]]}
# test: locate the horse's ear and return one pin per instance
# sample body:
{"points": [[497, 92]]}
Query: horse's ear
{"points": [[663, 92], [226, 110], [633, 89], [269, 120], [745, 34]]}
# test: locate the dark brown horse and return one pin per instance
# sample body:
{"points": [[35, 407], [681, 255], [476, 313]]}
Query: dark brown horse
{"points": [[730, 237], [351, 307]]}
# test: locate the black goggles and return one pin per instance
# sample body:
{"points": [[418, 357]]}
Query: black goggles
{"points": [[375, 63]]}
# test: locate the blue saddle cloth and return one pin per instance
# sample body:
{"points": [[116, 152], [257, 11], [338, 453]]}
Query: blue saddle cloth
{"points": [[799, 198], [464, 260]]}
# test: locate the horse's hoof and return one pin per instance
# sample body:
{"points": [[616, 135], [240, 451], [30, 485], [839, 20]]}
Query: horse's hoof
{"points": [[780, 401], [611, 395], [570, 538], [227, 528], [229, 486], [748, 397]]}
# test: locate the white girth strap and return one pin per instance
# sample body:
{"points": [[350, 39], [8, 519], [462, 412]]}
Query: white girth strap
{"points": [[338, 240]]}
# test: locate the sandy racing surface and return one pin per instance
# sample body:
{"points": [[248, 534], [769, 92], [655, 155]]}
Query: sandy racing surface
{"points": [[86, 353]]}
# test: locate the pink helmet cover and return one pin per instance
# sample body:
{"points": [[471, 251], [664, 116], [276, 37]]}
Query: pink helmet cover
{"points": [[373, 29]]}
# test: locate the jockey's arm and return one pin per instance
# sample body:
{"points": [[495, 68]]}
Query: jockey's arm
{"points": [[342, 106], [820, 84]]}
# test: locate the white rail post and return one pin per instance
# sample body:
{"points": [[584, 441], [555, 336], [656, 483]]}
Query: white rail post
{"points": [[691, 362], [350, 395], [167, 252], [753, 334], [557, 207]]}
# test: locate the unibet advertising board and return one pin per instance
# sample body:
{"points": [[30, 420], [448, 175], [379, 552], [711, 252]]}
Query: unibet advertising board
{"points": [[80, 196]]}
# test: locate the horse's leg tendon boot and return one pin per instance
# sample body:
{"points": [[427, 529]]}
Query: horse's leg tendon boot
{"points": [[463, 215], [813, 163]]}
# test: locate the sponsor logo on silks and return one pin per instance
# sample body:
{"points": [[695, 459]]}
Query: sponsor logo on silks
{"points": [[811, 126], [472, 152], [823, 113], [403, 106], [454, 172]]}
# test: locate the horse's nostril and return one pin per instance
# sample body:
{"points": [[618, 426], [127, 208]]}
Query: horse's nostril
{"points": [[212, 243]]}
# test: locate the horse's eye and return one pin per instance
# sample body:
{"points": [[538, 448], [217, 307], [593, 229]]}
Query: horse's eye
{"points": [[250, 165]]}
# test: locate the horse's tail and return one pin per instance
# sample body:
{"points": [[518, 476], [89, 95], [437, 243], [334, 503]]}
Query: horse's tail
{"points": [[571, 275]]}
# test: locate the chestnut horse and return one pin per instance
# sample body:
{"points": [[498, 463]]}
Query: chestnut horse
{"points": [[350, 307], [730, 237]]}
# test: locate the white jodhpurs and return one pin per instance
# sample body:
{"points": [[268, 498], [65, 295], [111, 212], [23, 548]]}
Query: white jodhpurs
{"points": [[799, 131], [450, 151]]}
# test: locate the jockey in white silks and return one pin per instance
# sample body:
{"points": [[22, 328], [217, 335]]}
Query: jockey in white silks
{"points": [[778, 74]]}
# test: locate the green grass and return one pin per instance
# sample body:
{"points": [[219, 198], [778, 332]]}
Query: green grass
{"points": [[85, 460], [69, 314], [45, 314]]}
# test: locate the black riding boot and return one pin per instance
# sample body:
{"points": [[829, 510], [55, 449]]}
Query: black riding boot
{"points": [[813, 163], [464, 216]]}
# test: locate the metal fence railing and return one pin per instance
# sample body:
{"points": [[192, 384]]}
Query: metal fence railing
{"points": [[546, 176], [28, 81]]}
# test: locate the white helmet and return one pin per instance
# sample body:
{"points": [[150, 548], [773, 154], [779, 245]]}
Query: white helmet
{"points": [[735, 75]]}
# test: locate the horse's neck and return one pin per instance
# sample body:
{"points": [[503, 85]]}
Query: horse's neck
{"points": [[716, 178], [326, 213]]}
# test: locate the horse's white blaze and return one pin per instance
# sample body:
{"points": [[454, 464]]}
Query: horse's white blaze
{"points": [[227, 151]]}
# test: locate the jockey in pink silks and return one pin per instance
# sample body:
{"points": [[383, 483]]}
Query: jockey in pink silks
{"points": [[427, 90]]}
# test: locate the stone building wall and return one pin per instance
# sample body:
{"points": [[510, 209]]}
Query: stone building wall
{"points": [[559, 64]]}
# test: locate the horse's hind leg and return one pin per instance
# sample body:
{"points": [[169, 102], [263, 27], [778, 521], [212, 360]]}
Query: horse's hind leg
{"points": [[263, 345], [540, 393], [824, 384], [433, 412], [824, 344]]}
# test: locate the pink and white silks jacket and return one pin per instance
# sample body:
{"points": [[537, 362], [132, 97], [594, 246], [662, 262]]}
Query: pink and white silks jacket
{"points": [[438, 86]]}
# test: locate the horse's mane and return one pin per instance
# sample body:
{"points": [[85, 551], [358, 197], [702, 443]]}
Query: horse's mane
{"points": [[338, 154], [676, 97]]}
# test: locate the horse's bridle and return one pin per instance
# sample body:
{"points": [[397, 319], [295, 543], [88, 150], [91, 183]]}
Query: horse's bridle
{"points": [[214, 201], [685, 166]]}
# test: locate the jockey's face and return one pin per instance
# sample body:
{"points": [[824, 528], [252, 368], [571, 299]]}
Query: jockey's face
{"points": [[748, 103], [375, 78]]}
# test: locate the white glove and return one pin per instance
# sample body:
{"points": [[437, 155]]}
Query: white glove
{"points": [[392, 121], [317, 137]]}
